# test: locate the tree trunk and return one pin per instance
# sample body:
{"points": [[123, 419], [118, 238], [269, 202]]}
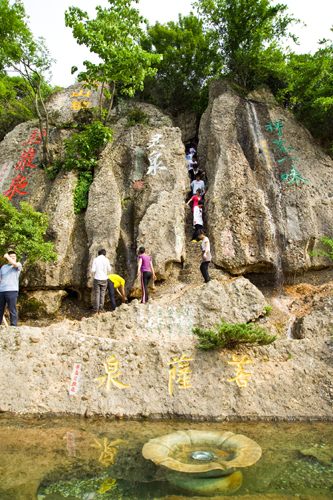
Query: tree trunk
{"points": [[100, 103], [45, 139], [113, 87]]}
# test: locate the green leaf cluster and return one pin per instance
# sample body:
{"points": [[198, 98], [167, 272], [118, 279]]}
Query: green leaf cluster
{"points": [[16, 105], [114, 36], [82, 152], [23, 231], [230, 336], [14, 30], [189, 62], [307, 91], [327, 242], [244, 33]]}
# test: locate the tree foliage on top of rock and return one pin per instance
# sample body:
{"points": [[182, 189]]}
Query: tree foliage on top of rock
{"points": [[23, 231], [114, 36], [189, 62], [244, 33], [231, 335]]}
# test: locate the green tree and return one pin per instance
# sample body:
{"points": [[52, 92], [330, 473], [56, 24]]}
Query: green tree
{"points": [[27, 56], [15, 106], [114, 35], [12, 26], [33, 64], [308, 89], [243, 30], [23, 231], [189, 62]]}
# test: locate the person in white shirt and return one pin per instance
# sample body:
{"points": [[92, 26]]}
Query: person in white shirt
{"points": [[197, 221], [205, 255], [198, 184], [101, 267]]}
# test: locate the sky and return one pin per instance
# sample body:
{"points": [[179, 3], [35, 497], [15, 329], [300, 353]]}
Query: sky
{"points": [[47, 20]]}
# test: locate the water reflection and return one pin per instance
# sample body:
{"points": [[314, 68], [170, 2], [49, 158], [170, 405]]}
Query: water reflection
{"points": [[95, 459]]}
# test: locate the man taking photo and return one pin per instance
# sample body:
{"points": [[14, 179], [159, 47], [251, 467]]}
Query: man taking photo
{"points": [[9, 286]]}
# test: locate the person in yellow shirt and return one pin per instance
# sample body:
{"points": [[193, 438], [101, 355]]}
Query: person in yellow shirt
{"points": [[116, 282]]}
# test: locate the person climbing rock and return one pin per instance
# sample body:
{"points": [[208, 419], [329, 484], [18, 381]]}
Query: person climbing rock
{"points": [[196, 171], [9, 286], [197, 221], [198, 184], [101, 267], [145, 267], [195, 199], [205, 255], [116, 282]]}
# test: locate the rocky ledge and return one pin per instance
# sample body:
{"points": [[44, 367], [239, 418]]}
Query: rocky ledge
{"points": [[143, 362]]}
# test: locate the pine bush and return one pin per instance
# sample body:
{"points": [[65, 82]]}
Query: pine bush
{"points": [[230, 335]]}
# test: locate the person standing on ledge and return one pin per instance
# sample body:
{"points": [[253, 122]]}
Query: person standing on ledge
{"points": [[9, 286], [101, 267], [205, 255], [145, 266]]}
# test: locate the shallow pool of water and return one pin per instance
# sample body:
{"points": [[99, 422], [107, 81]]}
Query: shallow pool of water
{"points": [[95, 459]]}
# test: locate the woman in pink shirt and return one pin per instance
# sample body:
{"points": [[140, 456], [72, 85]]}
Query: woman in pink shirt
{"points": [[196, 198], [145, 266]]}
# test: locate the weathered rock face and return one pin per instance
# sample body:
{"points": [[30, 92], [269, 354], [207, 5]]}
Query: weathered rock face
{"points": [[37, 364], [259, 221], [42, 304], [318, 321], [137, 196], [187, 122], [64, 105]]}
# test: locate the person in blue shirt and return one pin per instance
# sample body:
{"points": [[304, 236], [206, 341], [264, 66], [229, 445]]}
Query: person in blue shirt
{"points": [[9, 286]]}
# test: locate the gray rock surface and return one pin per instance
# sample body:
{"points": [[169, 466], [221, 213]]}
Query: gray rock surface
{"points": [[136, 198], [257, 221], [187, 122], [37, 365], [64, 105], [41, 304]]}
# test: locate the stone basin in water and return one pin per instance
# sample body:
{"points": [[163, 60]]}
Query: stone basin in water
{"points": [[203, 462]]}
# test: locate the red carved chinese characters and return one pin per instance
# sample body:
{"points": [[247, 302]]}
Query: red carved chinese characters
{"points": [[25, 160], [35, 137], [17, 185], [139, 185]]}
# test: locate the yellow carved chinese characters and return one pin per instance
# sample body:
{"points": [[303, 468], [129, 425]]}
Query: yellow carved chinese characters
{"points": [[241, 377], [112, 372], [76, 105], [179, 371], [108, 450], [81, 94]]}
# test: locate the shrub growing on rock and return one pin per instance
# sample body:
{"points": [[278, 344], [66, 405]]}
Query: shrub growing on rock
{"points": [[231, 335], [23, 231]]}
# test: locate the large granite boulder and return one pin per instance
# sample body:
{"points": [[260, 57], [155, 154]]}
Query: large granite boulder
{"points": [[143, 203], [261, 216]]}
